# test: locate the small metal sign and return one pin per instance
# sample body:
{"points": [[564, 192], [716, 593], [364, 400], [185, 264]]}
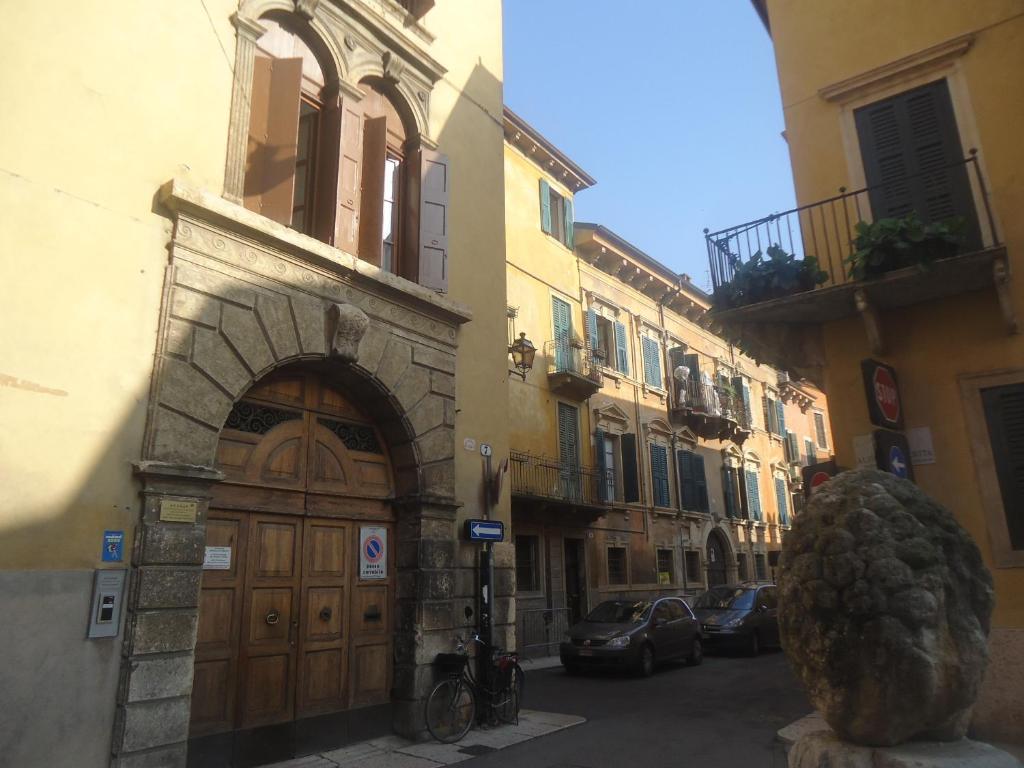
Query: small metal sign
{"points": [[485, 449], [883, 394], [892, 453], [113, 546], [177, 511], [922, 448], [485, 530], [217, 559], [373, 552]]}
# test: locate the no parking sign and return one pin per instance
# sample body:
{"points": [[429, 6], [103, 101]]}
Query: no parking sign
{"points": [[373, 552]]}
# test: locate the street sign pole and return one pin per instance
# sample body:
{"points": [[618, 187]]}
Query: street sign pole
{"points": [[486, 582]]}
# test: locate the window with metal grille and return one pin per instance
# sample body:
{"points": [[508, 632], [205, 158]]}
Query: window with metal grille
{"points": [[760, 567], [527, 564], [693, 567], [617, 565], [819, 429], [666, 571]]}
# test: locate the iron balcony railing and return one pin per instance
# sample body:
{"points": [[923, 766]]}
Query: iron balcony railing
{"points": [[826, 229], [712, 400], [547, 478], [571, 356]]}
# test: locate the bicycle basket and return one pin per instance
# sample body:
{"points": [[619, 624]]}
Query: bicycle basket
{"points": [[450, 663]]}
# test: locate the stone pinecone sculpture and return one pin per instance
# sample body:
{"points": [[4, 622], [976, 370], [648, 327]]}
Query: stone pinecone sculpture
{"points": [[884, 610]]}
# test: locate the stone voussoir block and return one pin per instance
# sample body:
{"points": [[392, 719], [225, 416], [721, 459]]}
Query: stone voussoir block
{"points": [[242, 330], [413, 387], [427, 414], [178, 339], [167, 587], [177, 438], [437, 445], [439, 478], [442, 384], [212, 354], [432, 358], [372, 346], [396, 359], [189, 305], [213, 283], [184, 389], [276, 317], [310, 318], [163, 631]]}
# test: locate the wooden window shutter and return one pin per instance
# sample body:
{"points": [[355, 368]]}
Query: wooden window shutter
{"points": [[435, 188], [602, 466], [753, 496], [630, 476], [819, 430], [693, 363], [780, 499], [652, 362], [273, 137], [621, 348], [568, 436], [545, 206], [568, 221], [780, 417], [729, 491], [659, 475], [914, 134], [765, 411], [700, 481], [350, 158], [688, 486], [812, 454], [592, 330], [371, 212], [1004, 412], [328, 157]]}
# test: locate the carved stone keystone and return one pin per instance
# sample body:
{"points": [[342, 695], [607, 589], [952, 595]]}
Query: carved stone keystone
{"points": [[346, 324]]}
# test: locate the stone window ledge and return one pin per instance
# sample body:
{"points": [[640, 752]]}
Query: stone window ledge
{"points": [[182, 198]]}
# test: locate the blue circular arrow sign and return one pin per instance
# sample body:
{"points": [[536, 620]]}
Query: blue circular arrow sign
{"points": [[898, 463]]}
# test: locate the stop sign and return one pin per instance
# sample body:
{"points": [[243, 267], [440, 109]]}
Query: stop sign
{"points": [[886, 395], [819, 478]]}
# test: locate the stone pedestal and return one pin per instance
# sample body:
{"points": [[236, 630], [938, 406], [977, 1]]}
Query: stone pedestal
{"points": [[823, 749]]}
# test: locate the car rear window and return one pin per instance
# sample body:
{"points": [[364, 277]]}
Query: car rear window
{"points": [[619, 612], [737, 599]]}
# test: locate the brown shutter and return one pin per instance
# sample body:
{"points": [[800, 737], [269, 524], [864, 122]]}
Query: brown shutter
{"points": [[371, 206], [346, 227], [327, 158], [434, 189], [273, 137], [1004, 412]]}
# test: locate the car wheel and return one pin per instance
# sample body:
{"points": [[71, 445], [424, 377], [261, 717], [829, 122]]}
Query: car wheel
{"points": [[696, 653], [754, 648], [645, 664]]}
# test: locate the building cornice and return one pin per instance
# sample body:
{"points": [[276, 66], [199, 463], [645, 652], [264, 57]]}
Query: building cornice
{"points": [[549, 158]]}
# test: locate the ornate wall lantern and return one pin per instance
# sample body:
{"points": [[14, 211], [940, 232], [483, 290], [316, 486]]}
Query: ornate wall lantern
{"points": [[522, 351]]}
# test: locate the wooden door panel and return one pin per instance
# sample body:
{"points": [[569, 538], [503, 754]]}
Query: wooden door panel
{"points": [[270, 617], [273, 549], [279, 458], [216, 625], [370, 614], [324, 681], [370, 670], [325, 551], [268, 690], [324, 612], [212, 697]]}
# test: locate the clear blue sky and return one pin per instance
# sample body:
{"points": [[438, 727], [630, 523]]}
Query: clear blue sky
{"points": [[672, 105]]}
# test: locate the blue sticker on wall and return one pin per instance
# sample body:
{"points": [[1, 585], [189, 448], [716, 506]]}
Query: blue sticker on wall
{"points": [[113, 546]]}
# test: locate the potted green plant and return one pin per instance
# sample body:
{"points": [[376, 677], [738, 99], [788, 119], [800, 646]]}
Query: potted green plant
{"points": [[894, 243], [771, 275]]}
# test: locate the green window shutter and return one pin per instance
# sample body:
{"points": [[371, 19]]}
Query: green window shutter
{"points": [[729, 491], [630, 476], [568, 435], [592, 329], [911, 134], [780, 499], [652, 362], [602, 468], [792, 448], [701, 483], [567, 222], [561, 320], [684, 460], [621, 349], [753, 496], [812, 454], [545, 206], [740, 385], [659, 474], [780, 417]]}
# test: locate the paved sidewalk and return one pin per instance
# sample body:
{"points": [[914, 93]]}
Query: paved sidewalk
{"points": [[396, 752]]}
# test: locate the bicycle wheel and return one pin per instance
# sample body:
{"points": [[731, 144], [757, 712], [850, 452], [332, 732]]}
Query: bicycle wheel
{"points": [[450, 710], [509, 698]]}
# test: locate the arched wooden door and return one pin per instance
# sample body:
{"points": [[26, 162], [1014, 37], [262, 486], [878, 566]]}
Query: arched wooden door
{"points": [[716, 560], [290, 625]]}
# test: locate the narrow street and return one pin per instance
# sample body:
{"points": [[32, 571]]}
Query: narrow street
{"points": [[721, 714]]}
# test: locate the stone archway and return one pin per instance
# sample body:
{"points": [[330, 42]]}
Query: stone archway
{"points": [[242, 299], [717, 559]]}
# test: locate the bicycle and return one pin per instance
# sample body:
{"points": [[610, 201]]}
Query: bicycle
{"points": [[452, 704]]}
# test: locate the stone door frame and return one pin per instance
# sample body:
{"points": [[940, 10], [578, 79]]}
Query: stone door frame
{"points": [[244, 297]]}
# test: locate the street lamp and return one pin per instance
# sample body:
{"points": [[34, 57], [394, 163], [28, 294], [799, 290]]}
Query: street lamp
{"points": [[522, 351]]}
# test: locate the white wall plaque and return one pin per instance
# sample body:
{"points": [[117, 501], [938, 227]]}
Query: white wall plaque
{"points": [[373, 552], [217, 559], [922, 450], [864, 450]]}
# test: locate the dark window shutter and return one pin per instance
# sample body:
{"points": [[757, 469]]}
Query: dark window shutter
{"points": [[269, 186], [568, 435], [630, 479], [592, 330], [781, 500], [753, 496], [1004, 412], [435, 177], [567, 228], [652, 362], [914, 134], [602, 467], [621, 348], [766, 410], [684, 460], [819, 429], [371, 209], [812, 454], [659, 474], [545, 206], [701, 483], [780, 417], [729, 491], [740, 385]]}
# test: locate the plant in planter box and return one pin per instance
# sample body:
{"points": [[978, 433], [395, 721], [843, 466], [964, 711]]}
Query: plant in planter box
{"points": [[894, 243], [760, 279]]}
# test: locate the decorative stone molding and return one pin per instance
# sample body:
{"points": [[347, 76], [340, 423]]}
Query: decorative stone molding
{"points": [[612, 418], [346, 325]]}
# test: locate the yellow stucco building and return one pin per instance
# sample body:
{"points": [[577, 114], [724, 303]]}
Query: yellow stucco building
{"points": [[648, 455], [249, 248], [903, 116]]}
